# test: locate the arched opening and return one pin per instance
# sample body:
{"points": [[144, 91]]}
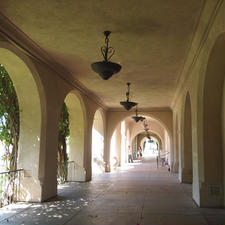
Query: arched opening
{"points": [[98, 165], [212, 125], [151, 146], [186, 176], [9, 138], [127, 133], [157, 133], [63, 143], [27, 84], [76, 171]]}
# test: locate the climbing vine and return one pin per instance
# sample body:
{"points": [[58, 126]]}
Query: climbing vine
{"points": [[9, 120], [9, 137], [64, 133]]}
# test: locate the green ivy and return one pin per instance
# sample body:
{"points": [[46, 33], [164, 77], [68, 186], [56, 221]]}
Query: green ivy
{"points": [[9, 119], [64, 133]]}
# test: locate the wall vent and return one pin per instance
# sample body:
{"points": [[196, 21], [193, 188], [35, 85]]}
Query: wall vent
{"points": [[215, 190]]}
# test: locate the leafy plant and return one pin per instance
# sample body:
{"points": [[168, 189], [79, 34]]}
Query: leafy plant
{"points": [[64, 133], [9, 119], [9, 134]]}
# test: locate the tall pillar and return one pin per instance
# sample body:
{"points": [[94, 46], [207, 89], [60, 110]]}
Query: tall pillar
{"points": [[118, 145]]}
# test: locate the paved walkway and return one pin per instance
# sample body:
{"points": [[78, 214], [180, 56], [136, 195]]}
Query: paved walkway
{"points": [[138, 194]]}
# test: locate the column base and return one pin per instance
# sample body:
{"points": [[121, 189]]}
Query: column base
{"points": [[211, 195], [186, 176], [175, 167], [76, 173], [107, 167], [30, 189]]}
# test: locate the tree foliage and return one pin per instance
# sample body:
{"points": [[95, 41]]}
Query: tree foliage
{"points": [[64, 133], [9, 119]]}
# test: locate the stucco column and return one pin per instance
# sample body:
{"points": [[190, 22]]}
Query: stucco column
{"points": [[118, 145], [90, 110], [87, 151], [139, 140], [48, 152], [176, 158], [107, 155]]}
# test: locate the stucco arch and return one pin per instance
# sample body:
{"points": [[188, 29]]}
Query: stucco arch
{"points": [[32, 103], [75, 106], [145, 139], [154, 126], [210, 93], [210, 126], [163, 118], [101, 115], [115, 118], [154, 136]]}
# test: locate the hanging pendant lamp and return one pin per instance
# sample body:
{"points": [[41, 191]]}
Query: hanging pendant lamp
{"points": [[127, 104], [106, 68], [148, 136], [137, 118], [145, 125]]}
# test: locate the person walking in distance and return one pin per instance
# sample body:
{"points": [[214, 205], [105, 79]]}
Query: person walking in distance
{"points": [[130, 157], [139, 153]]}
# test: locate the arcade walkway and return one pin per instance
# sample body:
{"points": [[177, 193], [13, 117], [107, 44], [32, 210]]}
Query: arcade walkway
{"points": [[137, 194]]}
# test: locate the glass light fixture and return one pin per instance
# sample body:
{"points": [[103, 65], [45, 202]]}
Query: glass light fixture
{"points": [[106, 68]]}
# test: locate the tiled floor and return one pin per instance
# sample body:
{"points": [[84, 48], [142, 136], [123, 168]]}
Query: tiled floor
{"points": [[138, 194]]}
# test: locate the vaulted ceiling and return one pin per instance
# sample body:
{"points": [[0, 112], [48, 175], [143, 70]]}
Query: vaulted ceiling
{"points": [[151, 38]]}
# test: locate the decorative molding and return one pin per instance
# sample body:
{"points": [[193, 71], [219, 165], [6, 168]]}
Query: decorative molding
{"points": [[19, 39], [182, 79]]}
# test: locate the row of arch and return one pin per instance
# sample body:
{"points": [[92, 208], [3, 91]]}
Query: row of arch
{"points": [[37, 153], [198, 150], [129, 133], [199, 132], [41, 95]]}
